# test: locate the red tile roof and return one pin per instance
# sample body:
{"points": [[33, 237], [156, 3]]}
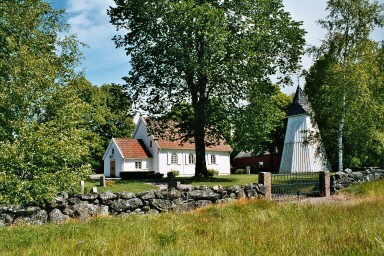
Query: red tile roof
{"points": [[132, 148], [170, 138], [177, 144]]}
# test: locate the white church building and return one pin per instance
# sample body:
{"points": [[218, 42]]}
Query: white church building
{"points": [[143, 152], [300, 154]]}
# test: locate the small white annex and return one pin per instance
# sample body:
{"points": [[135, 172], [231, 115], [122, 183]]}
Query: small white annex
{"points": [[300, 154], [143, 152]]}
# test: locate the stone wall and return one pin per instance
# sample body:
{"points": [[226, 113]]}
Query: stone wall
{"points": [[84, 206], [347, 177]]}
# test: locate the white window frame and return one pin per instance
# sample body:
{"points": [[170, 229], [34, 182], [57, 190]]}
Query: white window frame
{"points": [[138, 165], [174, 158], [213, 159], [191, 159]]}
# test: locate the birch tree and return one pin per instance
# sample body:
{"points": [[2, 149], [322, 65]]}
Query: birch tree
{"points": [[42, 145], [342, 85]]}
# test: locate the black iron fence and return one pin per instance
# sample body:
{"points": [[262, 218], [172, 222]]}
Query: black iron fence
{"points": [[291, 184]]}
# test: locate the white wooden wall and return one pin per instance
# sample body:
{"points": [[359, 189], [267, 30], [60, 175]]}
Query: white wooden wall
{"points": [[297, 155], [185, 169]]}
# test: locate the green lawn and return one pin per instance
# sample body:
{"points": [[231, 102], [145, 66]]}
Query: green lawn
{"points": [[257, 227], [225, 180], [133, 186], [142, 185]]}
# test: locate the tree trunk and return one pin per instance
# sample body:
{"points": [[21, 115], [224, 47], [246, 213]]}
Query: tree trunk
{"points": [[340, 137], [201, 164]]}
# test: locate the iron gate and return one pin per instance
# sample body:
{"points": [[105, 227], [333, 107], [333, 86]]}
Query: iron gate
{"points": [[291, 184]]}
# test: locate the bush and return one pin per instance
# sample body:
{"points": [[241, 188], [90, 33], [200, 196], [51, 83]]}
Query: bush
{"points": [[176, 173], [240, 171], [172, 174], [39, 190], [213, 172], [140, 175], [110, 183], [155, 175]]}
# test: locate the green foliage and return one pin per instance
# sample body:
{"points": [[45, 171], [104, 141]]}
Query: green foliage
{"points": [[260, 126], [218, 122], [42, 143], [173, 173], [105, 116], [213, 172], [240, 171], [346, 82], [199, 51]]}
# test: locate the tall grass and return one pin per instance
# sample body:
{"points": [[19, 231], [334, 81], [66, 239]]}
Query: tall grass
{"points": [[256, 227], [366, 189]]}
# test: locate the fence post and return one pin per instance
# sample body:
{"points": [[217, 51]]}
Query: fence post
{"points": [[265, 178], [325, 183], [173, 184], [102, 181]]}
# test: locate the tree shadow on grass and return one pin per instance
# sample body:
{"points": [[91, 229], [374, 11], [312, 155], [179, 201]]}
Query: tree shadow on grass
{"points": [[189, 180], [186, 180]]}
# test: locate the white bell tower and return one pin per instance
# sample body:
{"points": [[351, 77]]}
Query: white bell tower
{"points": [[300, 154]]}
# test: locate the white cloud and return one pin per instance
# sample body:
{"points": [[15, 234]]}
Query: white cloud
{"points": [[90, 21]]}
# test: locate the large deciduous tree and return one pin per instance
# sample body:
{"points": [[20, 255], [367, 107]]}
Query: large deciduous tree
{"points": [[200, 50], [260, 125], [106, 116], [262, 120], [42, 145], [346, 81]]}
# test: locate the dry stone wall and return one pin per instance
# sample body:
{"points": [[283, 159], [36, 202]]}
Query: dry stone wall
{"points": [[84, 206], [347, 177]]}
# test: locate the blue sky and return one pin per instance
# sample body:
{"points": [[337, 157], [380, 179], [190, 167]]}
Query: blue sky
{"points": [[105, 64]]}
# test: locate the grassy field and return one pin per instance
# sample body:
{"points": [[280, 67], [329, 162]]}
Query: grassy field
{"points": [[225, 180], [143, 185], [259, 227], [121, 185]]}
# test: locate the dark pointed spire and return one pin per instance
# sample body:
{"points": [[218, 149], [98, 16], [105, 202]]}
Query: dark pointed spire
{"points": [[300, 104]]}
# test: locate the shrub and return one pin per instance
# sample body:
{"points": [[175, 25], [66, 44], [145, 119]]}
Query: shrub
{"points": [[140, 175], [240, 171], [176, 173], [172, 174], [110, 183], [155, 175], [213, 172]]}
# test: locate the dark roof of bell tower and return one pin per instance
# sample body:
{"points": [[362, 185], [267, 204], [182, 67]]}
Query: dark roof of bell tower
{"points": [[300, 104]]}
